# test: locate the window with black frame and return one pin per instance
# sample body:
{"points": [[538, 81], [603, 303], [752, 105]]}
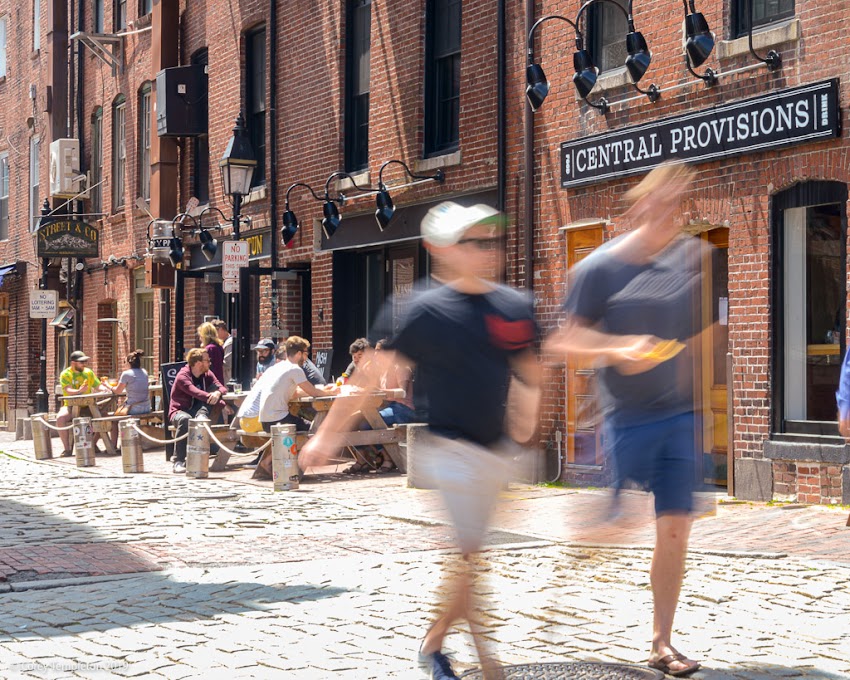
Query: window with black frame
{"points": [[119, 15], [357, 84], [606, 30], [119, 151], [255, 99], [145, 141], [96, 191], [764, 12], [442, 76], [201, 146]]}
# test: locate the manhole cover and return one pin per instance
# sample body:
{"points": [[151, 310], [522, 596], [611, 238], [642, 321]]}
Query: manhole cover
{"points": [[573, 671]]}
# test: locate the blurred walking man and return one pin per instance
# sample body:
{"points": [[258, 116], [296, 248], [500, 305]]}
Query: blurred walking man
{"points": [[488, 329], [629, 305]]}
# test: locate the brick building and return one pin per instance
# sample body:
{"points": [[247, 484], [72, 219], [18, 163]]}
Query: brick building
{"points": [[438, 84]]}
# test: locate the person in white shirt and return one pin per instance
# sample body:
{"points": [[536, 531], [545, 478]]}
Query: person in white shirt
{"points": [[286, 381]]}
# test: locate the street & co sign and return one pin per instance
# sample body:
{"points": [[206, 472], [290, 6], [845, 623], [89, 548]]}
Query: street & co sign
{"points": [[792, 116], [67, 238]]}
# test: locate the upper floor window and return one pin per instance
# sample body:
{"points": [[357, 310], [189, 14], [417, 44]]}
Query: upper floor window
{"points": [[764, 12], [442, 76], [145, 141], [357, 84], [35, 203], [119, 151], [4, 196], [255, 98], [606, 35], [96, 192], [201, 147], [119, 15], [3, 23], [145, 7], [97, 16], [36, 25]]}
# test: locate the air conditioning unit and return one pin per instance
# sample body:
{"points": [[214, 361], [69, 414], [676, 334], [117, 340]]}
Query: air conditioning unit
{"points": [[65, 175]]}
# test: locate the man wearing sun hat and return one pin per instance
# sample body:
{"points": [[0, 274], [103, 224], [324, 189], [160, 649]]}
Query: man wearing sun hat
{"points": [[78, 378], [488, 329]]}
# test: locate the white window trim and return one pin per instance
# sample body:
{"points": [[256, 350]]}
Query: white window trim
{"points": [[4, 32], [36, 25], [4, 160], [119, 154], [35, 171], [145, 144]]}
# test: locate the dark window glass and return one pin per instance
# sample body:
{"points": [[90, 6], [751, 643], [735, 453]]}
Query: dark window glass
{"points": [[97, 16], [201, 149], [119, 14], [442, 76], [145, 7], [96, 192], [255, 96], [4, 201], [764, 12], [606, 29], [357, 66]]}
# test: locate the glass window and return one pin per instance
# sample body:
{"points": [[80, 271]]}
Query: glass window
{"points": [[255, 94], [145, 142], [201, 147], [97, 16], [96, 193], [144, 320], [36, 25], [4, 335], [145, 7], [606, 29], [35, 203], [4, 197], [764, 12], [3, 23], [119, 151], [813, 287], [442, 76], [358, 68], [119, 15]]}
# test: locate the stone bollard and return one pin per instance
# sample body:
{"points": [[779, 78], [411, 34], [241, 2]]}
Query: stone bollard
{"points": [[285, 470], [418, 471], [131, 447], [198, 449], [41, 437], [82, 442]]}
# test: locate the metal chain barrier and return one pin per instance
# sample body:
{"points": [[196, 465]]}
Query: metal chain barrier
{"points": [[53, 427], [159, 441], [231, 451]]}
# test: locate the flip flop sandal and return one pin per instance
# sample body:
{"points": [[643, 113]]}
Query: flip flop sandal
{"points": [[663, 665], [356, 469]]}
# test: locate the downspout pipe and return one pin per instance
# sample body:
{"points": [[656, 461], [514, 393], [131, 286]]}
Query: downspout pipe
{"points": [[273, 146], [528, 148], [501, 123]]}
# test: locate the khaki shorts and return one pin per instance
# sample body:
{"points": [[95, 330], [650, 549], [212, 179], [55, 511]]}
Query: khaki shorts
{"points": [[470, 478]]}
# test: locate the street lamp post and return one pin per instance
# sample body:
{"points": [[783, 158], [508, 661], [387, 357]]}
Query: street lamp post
{"points": [[237, 169], [41, 401]]}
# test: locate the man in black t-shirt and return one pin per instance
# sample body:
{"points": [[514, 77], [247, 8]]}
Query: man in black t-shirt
{"points": [[630, 306], [488, 329]]}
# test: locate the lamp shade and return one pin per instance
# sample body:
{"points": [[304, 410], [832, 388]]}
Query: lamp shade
{"points": [[586, 72], [536, 86], [209, 245], [331, 219], [290, 227], [639, 56], [385, 210], [700, 40], [175, 254], [238, 162]]}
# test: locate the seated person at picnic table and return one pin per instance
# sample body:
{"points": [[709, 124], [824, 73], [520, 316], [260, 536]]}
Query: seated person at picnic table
{"points": [[265, 350], [357, 350], [286, 382], [314, 375], [195, 393], [135, 382], [78, 379]]}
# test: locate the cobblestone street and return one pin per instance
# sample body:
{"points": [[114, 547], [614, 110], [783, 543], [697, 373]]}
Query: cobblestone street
{"points": [[110, 575]]}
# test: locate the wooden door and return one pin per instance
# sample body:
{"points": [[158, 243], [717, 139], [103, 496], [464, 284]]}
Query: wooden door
{"points": [[583, 446], [713, 439]]}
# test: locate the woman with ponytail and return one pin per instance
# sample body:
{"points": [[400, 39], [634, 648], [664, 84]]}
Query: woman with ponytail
{"points": [[135, 381]]}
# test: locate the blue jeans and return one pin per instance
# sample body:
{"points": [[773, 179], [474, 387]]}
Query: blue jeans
{"points": [[140, 409], [396, 414]]}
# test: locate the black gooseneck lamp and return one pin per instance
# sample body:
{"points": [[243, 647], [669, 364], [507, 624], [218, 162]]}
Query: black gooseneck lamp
{"points": [[385, 209], [699, 43], [331, 218], [773, 59], [290, 221]]}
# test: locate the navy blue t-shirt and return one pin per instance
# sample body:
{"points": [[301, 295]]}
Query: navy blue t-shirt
{"points": [[661, 298], [462, 345]]}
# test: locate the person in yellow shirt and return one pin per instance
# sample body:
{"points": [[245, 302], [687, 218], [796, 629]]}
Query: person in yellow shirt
{"points": [[78, 378]]}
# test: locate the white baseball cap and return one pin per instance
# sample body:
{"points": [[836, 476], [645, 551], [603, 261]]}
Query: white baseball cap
{"points": [[445, 224]]}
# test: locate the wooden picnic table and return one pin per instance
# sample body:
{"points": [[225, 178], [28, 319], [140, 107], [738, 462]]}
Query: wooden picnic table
{"points": [[93, 402]]}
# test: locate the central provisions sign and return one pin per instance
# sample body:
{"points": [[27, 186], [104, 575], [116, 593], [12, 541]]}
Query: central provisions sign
{"points": [[234, 256], [792, 116]]}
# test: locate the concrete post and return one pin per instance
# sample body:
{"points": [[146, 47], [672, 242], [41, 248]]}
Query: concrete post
{"points": [[41, 437], [284, 458], [82, 442], [198, 449], [131, 447]]}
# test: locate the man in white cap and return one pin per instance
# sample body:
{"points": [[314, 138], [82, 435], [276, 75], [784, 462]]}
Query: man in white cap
{"points": [[75, 380], [488, 329]]}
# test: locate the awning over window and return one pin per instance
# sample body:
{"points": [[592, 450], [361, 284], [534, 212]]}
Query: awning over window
{"points": [[64, 318], [7, 269]]}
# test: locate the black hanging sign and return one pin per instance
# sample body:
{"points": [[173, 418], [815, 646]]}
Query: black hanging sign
{"points": [[67, 238], [792, 116]]}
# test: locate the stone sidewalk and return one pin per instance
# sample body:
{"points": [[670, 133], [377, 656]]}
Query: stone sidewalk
{"points": [[156, 575]]}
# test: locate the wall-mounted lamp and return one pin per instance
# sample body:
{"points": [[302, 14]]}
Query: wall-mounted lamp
{"points": [[332, 219], [699, 43], [290, 221], [773, 59], [209, 245], [385, 209], [112, 319]]}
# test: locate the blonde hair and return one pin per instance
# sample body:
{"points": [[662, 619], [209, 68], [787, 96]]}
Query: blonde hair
{"points": [[208, 334], [662, 176]]}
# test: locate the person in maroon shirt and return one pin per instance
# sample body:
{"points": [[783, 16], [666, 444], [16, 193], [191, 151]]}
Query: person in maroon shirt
{"points": [[194, 394], [210, 342]]}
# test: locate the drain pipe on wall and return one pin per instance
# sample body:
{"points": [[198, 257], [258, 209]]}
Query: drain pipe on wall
{"points": [[501, 123], [528, 148], [273, 145]]}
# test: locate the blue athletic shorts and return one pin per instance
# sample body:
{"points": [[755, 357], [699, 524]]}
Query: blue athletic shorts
{"points": [[659, 456]]}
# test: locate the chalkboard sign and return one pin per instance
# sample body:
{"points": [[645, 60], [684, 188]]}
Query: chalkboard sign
{"points": [[168, 374], [323, 362]]}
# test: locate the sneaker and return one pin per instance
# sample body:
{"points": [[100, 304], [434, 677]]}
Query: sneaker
{"points": [[438, 665], [179, 466]]}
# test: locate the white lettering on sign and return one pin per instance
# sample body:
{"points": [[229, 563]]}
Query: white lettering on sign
{"points": [[234, 255], [43, 304]]}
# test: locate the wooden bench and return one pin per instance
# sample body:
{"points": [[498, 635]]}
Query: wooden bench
{"points": [[104, 423]]}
